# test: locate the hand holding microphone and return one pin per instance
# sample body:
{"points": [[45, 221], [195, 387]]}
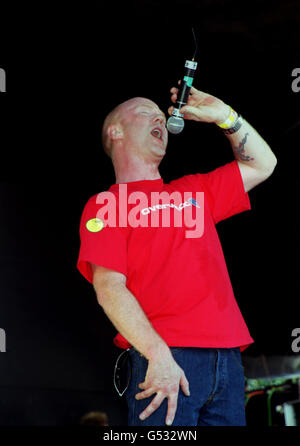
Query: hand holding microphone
{"points": [[175, 123], [180, 97], [190, 103], [200, 107]]}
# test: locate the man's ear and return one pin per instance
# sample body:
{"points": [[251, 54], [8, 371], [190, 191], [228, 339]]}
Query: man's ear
{"points": [[115, 132]]}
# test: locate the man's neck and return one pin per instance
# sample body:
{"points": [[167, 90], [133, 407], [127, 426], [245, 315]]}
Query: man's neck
{"points": [[136, 170], [128, 178]]}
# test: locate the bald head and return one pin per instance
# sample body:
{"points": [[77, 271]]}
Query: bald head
{"points": [[115, 117]]}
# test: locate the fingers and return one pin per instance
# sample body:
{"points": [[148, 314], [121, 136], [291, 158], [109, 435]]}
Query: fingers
{"points": [[174, 97], [170, 110], [145, 394], [174, 90], [193, 98], [194, 94], [194, 113], [155, 403], [172, 407], [188, 111], [163, 378], [184, 384], [193, 90]]}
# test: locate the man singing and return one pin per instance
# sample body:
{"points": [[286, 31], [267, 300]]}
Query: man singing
{"points": [[168, 294]]}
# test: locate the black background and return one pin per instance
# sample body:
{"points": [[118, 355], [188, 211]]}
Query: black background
{"points": [[65, 71]]}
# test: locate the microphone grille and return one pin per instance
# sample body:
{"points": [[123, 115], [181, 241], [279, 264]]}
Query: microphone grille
{"points": [[175, 125]]}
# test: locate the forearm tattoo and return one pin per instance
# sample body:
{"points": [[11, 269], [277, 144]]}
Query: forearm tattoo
{"points": [[240, 150]]}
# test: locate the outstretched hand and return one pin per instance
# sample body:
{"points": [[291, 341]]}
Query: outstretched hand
{"points": [[201, 106], [164, 378]]}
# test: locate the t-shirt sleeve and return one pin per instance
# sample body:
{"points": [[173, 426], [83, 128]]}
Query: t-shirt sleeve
{"points": [[223, 190], [100, 244]]}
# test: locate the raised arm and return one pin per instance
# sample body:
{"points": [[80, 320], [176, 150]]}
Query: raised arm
{"points": [[163, 376], [255, 158]]}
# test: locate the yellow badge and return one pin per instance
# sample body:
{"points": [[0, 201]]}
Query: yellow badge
{"points": [[94, 225]]}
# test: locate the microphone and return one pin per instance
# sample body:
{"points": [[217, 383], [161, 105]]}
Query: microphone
{"points": [[175, 122]]}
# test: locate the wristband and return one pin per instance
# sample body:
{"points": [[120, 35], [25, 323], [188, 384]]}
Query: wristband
{"points": [[236, 126], [230, 121]]}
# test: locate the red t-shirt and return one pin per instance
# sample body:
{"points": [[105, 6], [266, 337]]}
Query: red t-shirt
{"points": [[181, 281]]}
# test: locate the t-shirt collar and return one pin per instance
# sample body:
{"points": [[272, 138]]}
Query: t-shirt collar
{"points": [[140, 185]]}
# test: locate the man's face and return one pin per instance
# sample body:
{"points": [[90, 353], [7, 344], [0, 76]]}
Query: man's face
{"points": [[144, 126]]}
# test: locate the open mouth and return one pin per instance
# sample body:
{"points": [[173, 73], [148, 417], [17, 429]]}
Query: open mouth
{"points": [[157, 133]]}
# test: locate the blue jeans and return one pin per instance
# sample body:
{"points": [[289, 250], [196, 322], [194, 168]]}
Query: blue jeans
{"points": [[217, 388]]}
